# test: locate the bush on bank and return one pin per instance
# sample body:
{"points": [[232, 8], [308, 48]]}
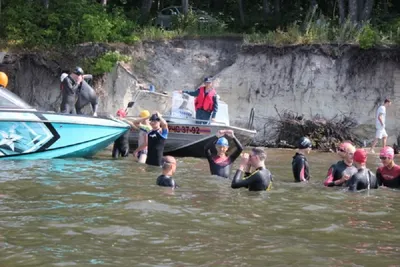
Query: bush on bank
{"points": [[27, 24]]}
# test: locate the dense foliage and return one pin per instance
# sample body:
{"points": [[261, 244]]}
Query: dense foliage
{"points": [[48, 23]]}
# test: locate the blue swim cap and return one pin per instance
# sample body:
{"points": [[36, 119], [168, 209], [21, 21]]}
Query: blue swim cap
{"points": [[222, 142]]}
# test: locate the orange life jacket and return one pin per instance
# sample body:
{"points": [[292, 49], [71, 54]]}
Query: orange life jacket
{"points": [[203, 101]]}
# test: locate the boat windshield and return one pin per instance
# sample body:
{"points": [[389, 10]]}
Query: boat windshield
{"points": [[10, 100]]}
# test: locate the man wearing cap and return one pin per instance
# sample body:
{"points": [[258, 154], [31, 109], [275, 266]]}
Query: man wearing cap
{"points": [[220, 164], [389, 174], [340, 173], [156, 140], [380, 124], [300, 167], [69, 86], [143, 124], [206, 103], [364, 178]]}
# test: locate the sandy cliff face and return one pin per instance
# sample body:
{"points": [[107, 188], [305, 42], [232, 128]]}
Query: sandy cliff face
{"points": [[324, 80]]}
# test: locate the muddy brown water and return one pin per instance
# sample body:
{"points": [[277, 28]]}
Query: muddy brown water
{"points": [[105, 212]]}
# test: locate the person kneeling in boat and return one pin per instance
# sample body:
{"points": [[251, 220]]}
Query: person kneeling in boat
{"points": [[143, 124], [260, 179], [3, 80], [205, 103], [389, 174], [300, 167], [156, 140], [364, 178], [340, 173], [168, 170], [121, 145], [220, 164]]}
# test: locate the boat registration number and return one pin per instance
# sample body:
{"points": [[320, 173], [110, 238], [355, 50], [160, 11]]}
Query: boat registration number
{"points": [[189, 129]]}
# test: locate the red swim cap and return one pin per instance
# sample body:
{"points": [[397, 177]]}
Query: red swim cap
{"points": [[121, 112], [387, 151], [360, 156]]}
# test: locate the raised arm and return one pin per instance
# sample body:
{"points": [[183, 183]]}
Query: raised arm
{"points": [[192, 93], [239, 148]]}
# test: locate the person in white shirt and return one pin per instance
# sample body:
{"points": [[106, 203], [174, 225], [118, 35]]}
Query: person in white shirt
{"points": [[380, 125]]}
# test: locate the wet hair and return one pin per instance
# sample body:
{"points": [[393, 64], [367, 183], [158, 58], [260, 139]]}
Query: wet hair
{"points": [[260, 152], [168, 161], [387, 100]]}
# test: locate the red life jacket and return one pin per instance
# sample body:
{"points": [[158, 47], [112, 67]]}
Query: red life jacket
{"points": [[205, 102]]}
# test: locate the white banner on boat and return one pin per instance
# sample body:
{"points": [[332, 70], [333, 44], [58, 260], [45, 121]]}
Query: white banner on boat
{"points": [[183, 107]]}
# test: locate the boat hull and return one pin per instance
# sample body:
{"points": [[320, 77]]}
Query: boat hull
{"points": [[188, 140], [42, 135]]}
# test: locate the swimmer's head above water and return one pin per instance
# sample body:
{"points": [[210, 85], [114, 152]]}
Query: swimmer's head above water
{"points": [[304, 144], [169, 165], [386, 155], [222, 145]]}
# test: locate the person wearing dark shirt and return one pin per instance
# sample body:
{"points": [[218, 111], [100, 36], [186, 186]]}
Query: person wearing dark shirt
{"points": [[70, 86], [364, 178], [206, 102], [389, 174], [300, 166], [220, 164], [340, 173], [156, 140], [121, 145], [260, 179], [168, 170]]}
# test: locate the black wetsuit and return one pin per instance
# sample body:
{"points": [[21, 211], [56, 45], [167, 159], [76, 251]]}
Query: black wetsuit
{"points": [[121, 146], [68, 93], [256, 181], [222, 167], [336, 172], [164, 180], [363, 179], [155, 146], [300, 168]]}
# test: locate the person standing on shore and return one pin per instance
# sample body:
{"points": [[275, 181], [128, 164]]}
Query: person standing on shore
{"points": [[380, 124], [300, 167]]}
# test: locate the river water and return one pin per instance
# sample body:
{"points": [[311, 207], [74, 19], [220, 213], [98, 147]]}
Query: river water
{"points": [[107, 212]]}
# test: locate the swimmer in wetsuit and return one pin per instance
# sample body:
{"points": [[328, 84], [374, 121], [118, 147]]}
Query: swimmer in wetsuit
{"points": [[340, 173], [220, 164], [260, 179], [121, 145], [69, 87], [300, 166], [389, 174], [143, 124], [168, 170], [156, 140], [364, 178]]}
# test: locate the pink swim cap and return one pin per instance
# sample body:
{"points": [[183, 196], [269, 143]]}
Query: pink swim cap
{"points": [[387, 151], [121, 112], [345, 145]]}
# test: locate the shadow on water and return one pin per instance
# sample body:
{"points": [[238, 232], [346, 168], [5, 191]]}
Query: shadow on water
{"points": [[78, 212]]}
